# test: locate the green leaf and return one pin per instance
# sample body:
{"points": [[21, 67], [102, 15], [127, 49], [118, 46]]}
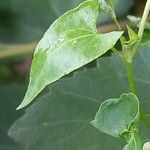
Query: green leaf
{"points": [[71, 42], [60, 120], [10, 94], [146, 39], [116, 116], [133, 37], [119, 117]]}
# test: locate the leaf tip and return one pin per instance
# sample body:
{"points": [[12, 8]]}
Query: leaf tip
{"points": [[29, 97], [93, 123], [23, 104]]}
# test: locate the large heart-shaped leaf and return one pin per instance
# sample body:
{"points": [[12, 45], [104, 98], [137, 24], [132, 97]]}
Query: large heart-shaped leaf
{"points": [[71, 42], [61, 119]]}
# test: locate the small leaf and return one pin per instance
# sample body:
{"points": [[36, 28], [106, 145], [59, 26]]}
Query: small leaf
{"points": [[146, 37], [71, 42], [117, 116], [10, 94], [133, 37], [60, 119]]}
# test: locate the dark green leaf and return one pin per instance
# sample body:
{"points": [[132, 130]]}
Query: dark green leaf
{"points": [[25, 21], [146, 39], [116, 116], [61, 119], [71, 42], [9, 99]]}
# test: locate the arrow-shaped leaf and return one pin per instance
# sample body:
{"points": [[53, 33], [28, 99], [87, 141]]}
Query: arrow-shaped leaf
{"points": [[71, 42]]}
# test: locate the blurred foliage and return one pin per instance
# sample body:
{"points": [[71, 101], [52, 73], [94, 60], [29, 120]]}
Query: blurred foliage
{"points": [[10, 96], [146, 38], [27, 20]]}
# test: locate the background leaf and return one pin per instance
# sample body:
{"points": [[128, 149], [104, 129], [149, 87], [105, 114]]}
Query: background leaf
{"points": [[60, 119], [146, 38], [9, 99], [26, 21]]}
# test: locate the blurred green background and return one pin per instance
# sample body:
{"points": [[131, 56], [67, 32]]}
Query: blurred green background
{"points": [[22, 24]]}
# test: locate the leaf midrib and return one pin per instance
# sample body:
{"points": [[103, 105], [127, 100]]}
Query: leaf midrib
{"points": [[56, 48]]}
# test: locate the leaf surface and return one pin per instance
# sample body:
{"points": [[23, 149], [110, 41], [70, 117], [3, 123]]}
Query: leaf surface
{"points": [[71, 42], [60, 120], [146, 38], [117, 116], [9, 99]]}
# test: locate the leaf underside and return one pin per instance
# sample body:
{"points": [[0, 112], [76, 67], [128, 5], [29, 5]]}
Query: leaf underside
{"points": [[71, 42]]}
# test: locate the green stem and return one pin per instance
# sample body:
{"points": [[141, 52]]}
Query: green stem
{"points": [[140, 33], [134, 141], [128, 58], [132, 88], [130, 77], [144, 18]]}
